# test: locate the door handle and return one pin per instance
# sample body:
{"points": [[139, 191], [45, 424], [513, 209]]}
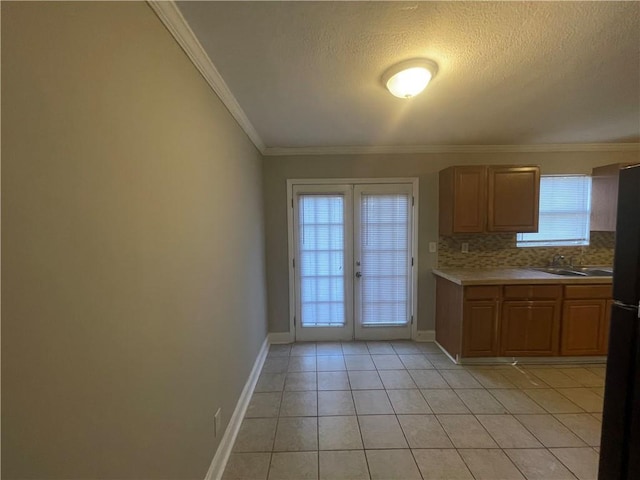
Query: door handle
{"points": [[358, 274]]}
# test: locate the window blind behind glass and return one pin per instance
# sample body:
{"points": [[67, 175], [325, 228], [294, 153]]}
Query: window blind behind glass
{"points": [[384, 252], [321, 244], [564, 212]]}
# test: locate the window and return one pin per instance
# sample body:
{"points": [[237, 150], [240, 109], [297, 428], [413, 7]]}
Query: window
{"points": [[384, 251], [565, 203], [321, 244]]}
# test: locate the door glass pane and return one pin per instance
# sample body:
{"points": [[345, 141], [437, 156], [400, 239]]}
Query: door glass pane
{"points": [[384, 253], [321, 243]]}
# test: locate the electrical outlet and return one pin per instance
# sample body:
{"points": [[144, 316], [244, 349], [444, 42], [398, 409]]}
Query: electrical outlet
{"points": [[216, 422], [465, 248], [433, 246]]}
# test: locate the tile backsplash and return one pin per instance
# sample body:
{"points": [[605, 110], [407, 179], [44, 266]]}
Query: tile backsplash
{"points": [[499, 250]]}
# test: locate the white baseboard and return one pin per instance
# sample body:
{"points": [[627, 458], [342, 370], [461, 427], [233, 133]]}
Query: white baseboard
{"points": [[280, 337], [216, 469], [425, 336]]}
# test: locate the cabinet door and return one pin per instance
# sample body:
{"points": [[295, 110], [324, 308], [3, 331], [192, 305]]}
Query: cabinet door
{"points": [[463, 200], [530, 328], [604, 197], [513, 199], [469, 201], [480, 328], [583, 327]]}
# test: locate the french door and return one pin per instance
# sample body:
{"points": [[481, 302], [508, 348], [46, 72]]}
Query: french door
{"points": [[353, 260]]}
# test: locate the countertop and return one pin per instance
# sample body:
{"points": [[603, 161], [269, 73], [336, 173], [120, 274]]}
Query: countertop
{"points": [[512, 276]]}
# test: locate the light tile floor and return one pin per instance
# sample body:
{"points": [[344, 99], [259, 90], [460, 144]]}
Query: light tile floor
{"points": [[403, 410]]}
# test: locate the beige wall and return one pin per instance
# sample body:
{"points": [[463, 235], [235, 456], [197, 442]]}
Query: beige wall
{"points": [[423, 166], [133, 297]]}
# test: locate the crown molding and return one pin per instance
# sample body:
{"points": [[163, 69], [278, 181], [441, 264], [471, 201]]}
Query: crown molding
{"points": [[361, 150], [171, 17], [169, 14]]}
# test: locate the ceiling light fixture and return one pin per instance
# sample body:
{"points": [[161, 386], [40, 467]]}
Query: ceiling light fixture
{"points": [[407, 79]]}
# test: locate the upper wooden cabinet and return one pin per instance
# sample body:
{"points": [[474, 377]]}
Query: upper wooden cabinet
{"points": [[476, 199], [604, 197], [513, 199], [463, 199]]}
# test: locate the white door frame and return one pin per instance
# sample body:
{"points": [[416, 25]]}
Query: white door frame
{"points": [[291, 239]]}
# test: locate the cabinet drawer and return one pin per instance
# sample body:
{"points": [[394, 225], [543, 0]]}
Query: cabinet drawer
{"points": [[482, 292], [532, 292], [588, 291]]}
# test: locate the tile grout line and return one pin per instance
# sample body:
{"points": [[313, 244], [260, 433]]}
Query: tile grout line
{"points": [[539, 439], [275, 433], [364, 451], [565, 465], [404, 435], [454, 445], [524, 476]]}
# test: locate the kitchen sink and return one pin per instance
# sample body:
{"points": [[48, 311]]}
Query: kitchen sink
{"points": [[561, 271], [595, 271], [577, 271]]}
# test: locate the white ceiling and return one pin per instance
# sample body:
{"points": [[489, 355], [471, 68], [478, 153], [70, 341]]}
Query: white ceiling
{"points": [[307, 74]]}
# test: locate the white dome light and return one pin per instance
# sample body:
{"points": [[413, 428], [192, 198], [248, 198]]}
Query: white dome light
{"points": [[407, 79]]}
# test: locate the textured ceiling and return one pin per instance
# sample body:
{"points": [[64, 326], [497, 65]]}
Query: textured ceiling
{"points": [[307, 74]]}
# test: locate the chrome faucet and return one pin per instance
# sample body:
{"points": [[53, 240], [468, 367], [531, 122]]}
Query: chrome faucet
{"points": [[557, 261]]}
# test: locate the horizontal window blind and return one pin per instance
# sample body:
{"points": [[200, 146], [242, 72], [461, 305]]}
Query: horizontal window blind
{"points": [[321, 244], [565, 205], [384, 250]]}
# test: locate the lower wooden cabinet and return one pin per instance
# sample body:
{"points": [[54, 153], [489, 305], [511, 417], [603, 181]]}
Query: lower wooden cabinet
{"points": [[586, 313], [530, 328], [583, 327], [523, 320], [480, 328]]}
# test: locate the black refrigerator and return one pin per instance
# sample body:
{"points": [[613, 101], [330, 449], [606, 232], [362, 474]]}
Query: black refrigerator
{"points": [[620, 442]]}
